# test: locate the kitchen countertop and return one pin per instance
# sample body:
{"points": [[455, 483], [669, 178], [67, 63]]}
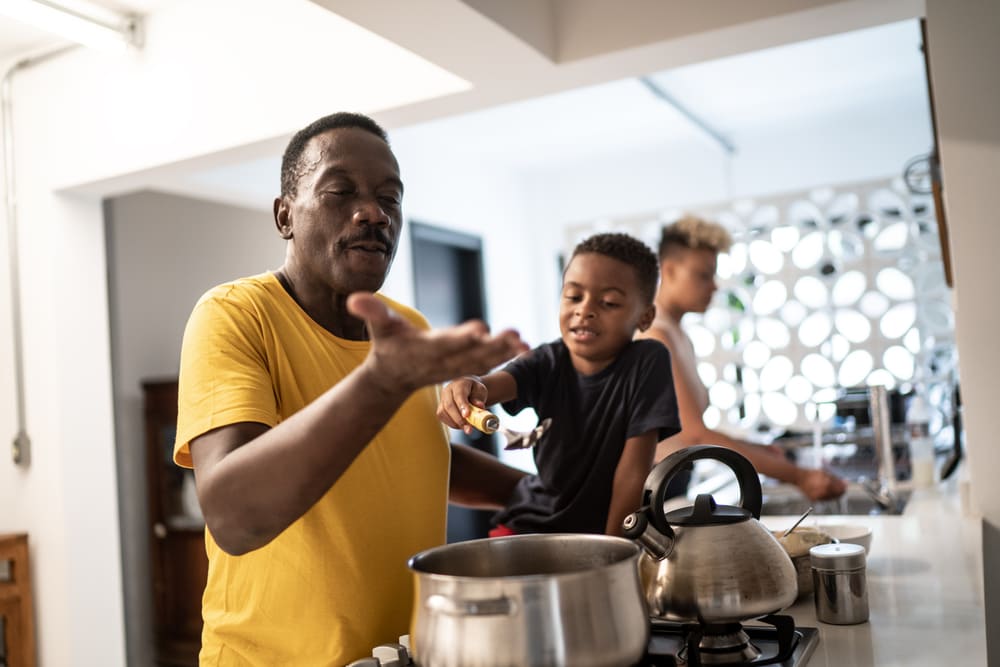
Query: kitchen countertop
{"points": [[925, 589]]}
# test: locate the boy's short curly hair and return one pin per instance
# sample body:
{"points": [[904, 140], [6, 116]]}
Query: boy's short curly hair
{"points": [[692, 233], [629, 250]]}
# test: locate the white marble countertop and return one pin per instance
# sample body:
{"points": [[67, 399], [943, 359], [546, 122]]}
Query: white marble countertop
{"points": [[925, 589]]}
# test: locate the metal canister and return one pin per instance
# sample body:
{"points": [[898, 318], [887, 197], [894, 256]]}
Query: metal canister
{"points": [[840, 586]]}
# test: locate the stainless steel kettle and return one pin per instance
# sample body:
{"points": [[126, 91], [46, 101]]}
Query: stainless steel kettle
{"points": [[709, 563]]}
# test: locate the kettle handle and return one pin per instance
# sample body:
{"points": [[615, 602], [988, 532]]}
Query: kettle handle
{"points": [[655, 488]]}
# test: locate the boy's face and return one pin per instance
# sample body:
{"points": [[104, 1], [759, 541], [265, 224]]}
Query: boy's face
{"points": [[601, 307]]}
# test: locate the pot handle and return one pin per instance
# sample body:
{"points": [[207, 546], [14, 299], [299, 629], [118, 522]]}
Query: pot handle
{"points": [[448, 606], [655, 488]]}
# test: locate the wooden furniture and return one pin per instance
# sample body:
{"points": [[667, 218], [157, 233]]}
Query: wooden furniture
{"points": [[17, 616], [179, 565]]}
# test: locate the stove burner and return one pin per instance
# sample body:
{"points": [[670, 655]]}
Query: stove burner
{"points": [[723, 645], [696, 644]]}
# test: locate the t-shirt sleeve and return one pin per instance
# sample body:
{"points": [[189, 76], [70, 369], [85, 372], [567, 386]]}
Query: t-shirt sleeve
{"points": [[529, 371], [654, 404], [223, 375]]}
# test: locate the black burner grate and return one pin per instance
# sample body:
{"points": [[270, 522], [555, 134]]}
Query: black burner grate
{"points": [[779, 642]]}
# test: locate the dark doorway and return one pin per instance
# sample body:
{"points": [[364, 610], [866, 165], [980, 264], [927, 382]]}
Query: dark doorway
{"points": [[448, 284]]}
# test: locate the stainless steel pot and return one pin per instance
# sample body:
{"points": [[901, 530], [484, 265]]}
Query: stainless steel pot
{"points": [[709, 563], [529, 601]]}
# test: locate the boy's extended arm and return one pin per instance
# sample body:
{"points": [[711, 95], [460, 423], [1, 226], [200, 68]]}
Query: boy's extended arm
{"points": [[477, 479], [630, 475]]}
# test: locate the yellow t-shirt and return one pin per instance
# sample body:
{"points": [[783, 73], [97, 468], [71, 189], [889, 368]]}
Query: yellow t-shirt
{"points": [[334, 583]]}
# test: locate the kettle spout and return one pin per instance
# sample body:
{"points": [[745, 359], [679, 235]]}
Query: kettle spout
{"points": [[637, 527]]}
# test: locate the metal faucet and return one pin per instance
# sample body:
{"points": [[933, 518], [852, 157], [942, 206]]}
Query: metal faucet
{"points": [[885, 464]]}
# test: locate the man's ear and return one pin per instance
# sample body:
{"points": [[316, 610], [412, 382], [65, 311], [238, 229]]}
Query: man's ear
{"points": [[647, 317], [282, 218]]}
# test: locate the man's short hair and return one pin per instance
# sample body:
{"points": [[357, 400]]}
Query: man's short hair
{"points": [[692, 233], [291, 168], [629, 250]]}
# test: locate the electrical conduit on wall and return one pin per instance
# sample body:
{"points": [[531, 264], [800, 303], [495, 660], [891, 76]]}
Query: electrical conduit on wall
{"points": [[21, 445]]}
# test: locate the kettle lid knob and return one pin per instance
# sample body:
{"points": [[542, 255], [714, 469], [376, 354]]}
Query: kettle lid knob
{"points": [[706, 512]]}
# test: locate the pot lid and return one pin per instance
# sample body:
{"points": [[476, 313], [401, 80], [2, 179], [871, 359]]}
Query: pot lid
{"points": [[706, 512]]}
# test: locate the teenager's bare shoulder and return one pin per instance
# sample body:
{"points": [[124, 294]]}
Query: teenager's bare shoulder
{"points": [[667, 332]]}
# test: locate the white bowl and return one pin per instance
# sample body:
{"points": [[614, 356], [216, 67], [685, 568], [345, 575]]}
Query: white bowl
{"points": [[849, 533]]}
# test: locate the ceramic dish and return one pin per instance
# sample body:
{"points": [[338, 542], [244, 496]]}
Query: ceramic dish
{"points": [[797, 545], [849, 533]]}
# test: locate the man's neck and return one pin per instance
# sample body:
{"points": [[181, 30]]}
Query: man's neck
{"points": [[325, 308]]}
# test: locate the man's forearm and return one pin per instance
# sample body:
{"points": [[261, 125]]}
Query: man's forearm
{"points": [[251, 492], [480, 480]]}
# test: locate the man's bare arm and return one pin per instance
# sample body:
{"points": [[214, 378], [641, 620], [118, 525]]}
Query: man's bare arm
{"points": [[480, 480], [253, 482]]}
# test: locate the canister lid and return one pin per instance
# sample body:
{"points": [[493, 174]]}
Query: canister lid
{"points": [[838, 556]]}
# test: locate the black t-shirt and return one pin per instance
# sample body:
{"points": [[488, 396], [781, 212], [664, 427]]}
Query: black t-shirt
{"points": [[592, 417]]}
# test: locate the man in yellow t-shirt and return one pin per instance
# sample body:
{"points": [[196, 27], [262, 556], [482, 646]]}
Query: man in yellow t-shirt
{"points": [[307, 410]]}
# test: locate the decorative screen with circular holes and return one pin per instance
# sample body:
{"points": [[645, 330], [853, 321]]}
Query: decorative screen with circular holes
{"points": [[836, 287]]}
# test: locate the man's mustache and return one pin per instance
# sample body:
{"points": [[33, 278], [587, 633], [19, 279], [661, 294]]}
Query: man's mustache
{"points": [[370, 234]]}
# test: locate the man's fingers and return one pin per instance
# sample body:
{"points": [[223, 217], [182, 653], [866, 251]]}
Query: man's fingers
{"points": [[469, 349], [366, 306]]}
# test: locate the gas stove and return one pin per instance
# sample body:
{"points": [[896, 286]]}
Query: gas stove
{"points": [[777, 642]]}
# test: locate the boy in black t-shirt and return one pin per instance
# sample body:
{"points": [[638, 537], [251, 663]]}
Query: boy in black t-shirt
{"points": [[610, 398]]}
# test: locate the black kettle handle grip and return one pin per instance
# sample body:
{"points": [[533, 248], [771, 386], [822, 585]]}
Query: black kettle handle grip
{"points": [[662, 472]]}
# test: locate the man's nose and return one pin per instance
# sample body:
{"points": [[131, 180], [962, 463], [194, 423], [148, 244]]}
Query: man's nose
{"points": [[370, 212]]}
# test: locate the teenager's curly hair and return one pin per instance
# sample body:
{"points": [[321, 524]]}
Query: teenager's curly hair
{"points": [[629, 250], [693, 233]]}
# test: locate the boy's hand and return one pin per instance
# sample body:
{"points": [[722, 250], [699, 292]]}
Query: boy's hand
{"points": [[456, 397]]}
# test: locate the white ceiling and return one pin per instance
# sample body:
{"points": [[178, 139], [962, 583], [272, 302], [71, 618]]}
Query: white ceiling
{"points": [[18, 39], [736, 96]]}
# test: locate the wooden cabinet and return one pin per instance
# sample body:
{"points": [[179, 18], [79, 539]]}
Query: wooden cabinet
{"points": [[17, 619], [179, 565]]}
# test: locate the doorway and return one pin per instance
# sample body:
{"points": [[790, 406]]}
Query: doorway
{"points": [[448, 288]]}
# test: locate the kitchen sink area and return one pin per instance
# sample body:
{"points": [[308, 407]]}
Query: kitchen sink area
{"points": [[863, 497], [860, 498], [852, 455]]}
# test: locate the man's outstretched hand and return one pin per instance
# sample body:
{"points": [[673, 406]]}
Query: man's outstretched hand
{"points": [[405, 358]]}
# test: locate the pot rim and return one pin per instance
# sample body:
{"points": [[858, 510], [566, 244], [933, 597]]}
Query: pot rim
{"points": [[635, 550]]}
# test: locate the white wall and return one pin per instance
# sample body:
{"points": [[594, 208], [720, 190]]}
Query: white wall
{"points": [[963, 57], [482, 199], [163, 253]]}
